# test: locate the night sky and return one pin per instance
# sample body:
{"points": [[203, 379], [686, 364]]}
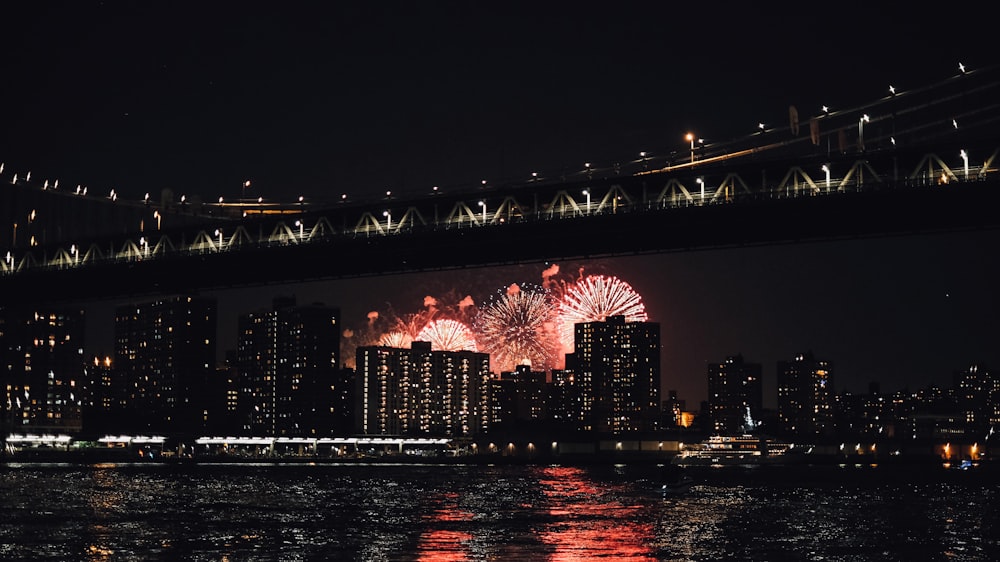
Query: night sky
{"points": [[320, 99]]}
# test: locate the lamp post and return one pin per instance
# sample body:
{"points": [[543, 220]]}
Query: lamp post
{"points": [[690, 138], [243, 193], [826, 169], [965, 163], [218, 233], [301, 229], [388, 220], [701, 183], [861, 131], [483, 205], [587, 193]]}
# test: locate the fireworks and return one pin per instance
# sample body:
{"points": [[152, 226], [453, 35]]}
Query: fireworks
{"points": [[448, 335], [396, 339], [517, 328], [593, 299]]}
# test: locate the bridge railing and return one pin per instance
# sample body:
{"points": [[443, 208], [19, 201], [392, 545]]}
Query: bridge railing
{"points": [[648, 193]]}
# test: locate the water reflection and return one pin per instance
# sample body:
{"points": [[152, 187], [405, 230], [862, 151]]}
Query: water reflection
{"points": [[591, 521]]}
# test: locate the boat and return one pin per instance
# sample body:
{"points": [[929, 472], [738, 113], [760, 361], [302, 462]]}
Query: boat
{"points": [[745, 449]]}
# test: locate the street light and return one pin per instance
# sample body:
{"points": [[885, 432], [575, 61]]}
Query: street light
{"points": [[388, 220], [701, 182], [861, 130], [301, 229], [483, 205], [690, 138], [826, 169], [587, 193], [642, 155], [965, 160], [218, 233]]}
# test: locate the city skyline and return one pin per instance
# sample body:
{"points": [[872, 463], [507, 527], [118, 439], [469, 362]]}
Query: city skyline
{"points": [[938, 326]]}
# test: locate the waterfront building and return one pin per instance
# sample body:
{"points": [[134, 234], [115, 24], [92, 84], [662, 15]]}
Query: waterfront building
{"points": [[420, 392], [616, 366], [518, 397], [42, 370], [977, 397], [734, 389], [805, 396], [287, 364], [164, 358]]}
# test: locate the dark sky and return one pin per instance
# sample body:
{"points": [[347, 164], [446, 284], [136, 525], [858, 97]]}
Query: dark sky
{"points": [[319, 99]]}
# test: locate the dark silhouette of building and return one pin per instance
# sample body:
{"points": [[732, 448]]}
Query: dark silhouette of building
{"points": [[287, 362], [734, 392], [165, 353], [977, 396], [616, 373], [805, 396], [42, 369], [518, 398]]}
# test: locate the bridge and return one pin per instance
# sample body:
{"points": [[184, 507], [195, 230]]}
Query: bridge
{"points": [[912, 162]]}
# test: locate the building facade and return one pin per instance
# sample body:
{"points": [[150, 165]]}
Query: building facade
{"points": [[616, 370], [805, 396], [42, 370], [420, 392], [287, 365], [165, 354], [734, 392]]}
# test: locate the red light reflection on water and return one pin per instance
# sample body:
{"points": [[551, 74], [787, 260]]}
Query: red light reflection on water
{"points": [[585, 525], [439, 543]]}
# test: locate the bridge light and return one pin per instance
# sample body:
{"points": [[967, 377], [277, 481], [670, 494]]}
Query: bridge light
{"points": [[965, 161], [761, 127], [146, 199], [587, 193], [892, 90], [826, 169], [701, 182], [483, 205], [388, 219], [961, 68], [954, 123]]}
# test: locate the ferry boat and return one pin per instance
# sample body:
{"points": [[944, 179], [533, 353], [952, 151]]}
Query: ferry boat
{"points": [[743, 449]]}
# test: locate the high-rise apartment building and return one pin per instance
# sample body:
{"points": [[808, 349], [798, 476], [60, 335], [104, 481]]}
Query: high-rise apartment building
{"points": [[734, 392], [517, 397], [165, 354], [420, 392], [616, 370], [977, 397], [805, 396], [41, 370], [287, 364]]}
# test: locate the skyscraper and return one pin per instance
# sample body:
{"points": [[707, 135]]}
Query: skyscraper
{"points": [[734, 386], [42, 370], [287, 362], [165, 355], [616, 369], [805, 396], [420, 392]]}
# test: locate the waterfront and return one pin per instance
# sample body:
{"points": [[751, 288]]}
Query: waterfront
{"points": [[465, 512]]}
